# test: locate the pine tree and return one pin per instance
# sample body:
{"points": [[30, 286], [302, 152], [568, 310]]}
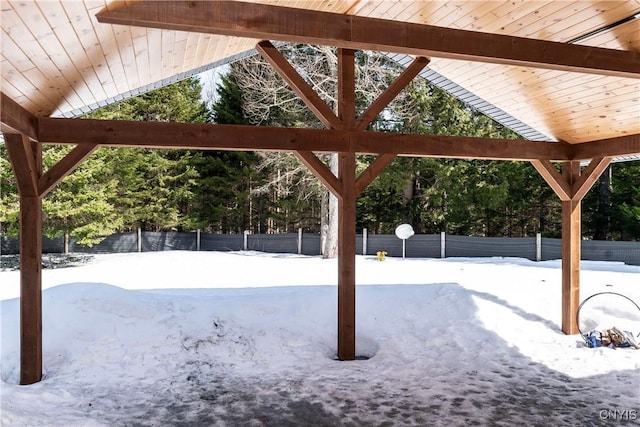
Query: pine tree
{"points": [[156, 187]]}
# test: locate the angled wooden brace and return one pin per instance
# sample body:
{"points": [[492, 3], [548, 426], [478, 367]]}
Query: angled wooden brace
{"points": [[578, 189], [589, 176], [299, 85], [321, 171], [554, 178], [391, 92], [64, 167], [372, 172]]}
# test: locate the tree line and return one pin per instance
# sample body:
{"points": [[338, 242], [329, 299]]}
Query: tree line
{"points": [[118, 190]]}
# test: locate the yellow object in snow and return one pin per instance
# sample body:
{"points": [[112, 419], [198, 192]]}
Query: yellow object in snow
{"points": [[380, 255]]}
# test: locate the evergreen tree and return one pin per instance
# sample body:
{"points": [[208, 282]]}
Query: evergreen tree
{"points": [[224, 201], [82, 206], [156, 187], [9, 201]]}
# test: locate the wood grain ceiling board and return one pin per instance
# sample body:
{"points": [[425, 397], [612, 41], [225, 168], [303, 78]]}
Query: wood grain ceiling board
{"points": [[57, 59], [570, 106]]}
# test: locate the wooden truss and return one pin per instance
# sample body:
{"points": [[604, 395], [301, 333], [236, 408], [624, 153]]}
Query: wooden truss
{"points": [[344, 134]]}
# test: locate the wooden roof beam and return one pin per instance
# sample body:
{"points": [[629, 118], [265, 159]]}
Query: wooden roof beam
{"points": [[610, 147], [17, 120], [119, 133], [268, 22]]}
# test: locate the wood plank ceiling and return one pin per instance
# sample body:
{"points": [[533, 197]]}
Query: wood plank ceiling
{"points": [[57, 60]]}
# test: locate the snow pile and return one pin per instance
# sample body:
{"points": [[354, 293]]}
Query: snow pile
{"points": [[184, 338]]}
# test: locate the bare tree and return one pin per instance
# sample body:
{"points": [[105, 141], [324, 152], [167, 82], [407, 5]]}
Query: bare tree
{"points": [[267, 99]]}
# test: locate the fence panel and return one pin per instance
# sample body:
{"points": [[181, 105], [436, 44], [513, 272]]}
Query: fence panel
{"points": [[384, 242], [168, 241], [418, 246], [274, 243], [472, 246], [423, 246], [551, 249], [599, 250], [116, 243], [311, 244], [221, 242]]}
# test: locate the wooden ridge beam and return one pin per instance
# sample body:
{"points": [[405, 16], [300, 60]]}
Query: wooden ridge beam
{"points": [[309, 96], [120, 133], [268, 22], [15, 119]]}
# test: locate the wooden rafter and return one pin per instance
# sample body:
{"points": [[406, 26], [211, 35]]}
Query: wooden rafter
{"points": [[391, 92], [267, 22], [119, 133], [298, 84]]}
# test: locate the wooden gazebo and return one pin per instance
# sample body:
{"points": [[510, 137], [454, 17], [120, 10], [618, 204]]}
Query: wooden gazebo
{"points": [[568, 70]]}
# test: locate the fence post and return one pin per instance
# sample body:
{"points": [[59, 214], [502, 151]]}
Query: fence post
{"points": [[246, 238], [364, 241], [139, 239], [198, 240], [299, 241], [538, 247], [443, 245]]}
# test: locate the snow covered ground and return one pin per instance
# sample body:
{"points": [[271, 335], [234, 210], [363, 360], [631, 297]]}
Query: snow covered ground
{"points": [[249, 339]]}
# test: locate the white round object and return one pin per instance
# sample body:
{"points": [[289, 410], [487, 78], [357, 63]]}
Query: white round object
{"points": [[404, 231]]}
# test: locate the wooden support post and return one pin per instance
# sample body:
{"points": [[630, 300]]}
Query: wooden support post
{"points": [[344, 186], [571, 187], [30, 290], [26, 161], [347, 259], [571, 240], [347, 212]]}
